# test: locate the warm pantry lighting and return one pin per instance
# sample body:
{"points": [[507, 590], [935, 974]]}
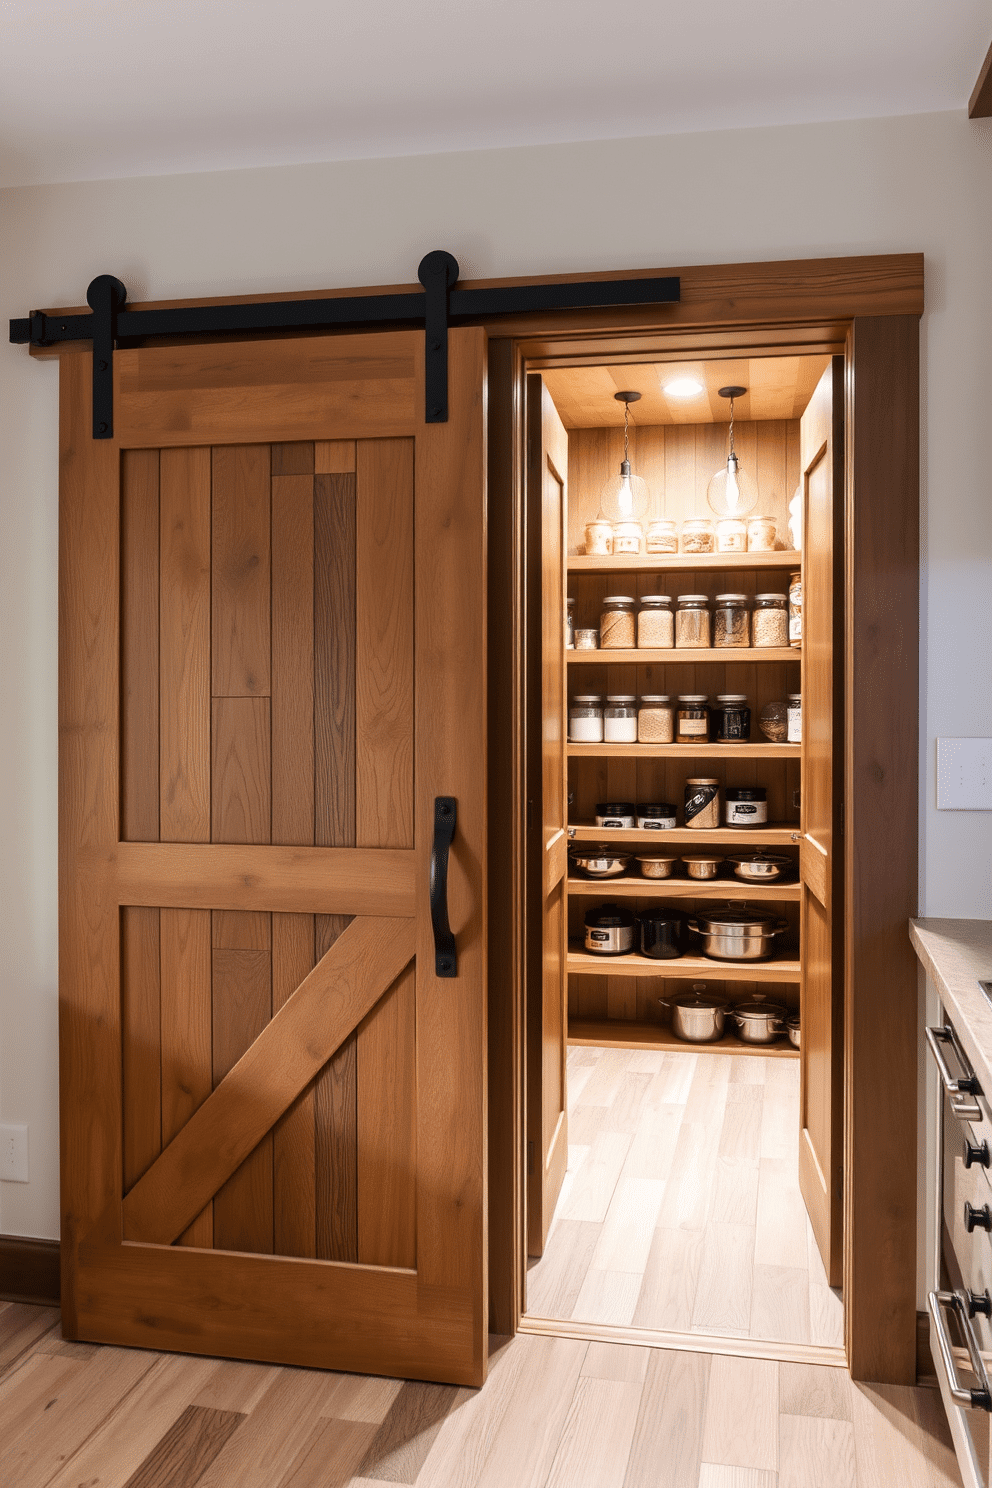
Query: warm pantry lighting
{"points": [[624, 498], [683, 387], [732, 491]]}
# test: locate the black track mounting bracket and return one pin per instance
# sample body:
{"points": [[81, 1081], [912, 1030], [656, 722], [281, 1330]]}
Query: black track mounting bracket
{"points": [[440, 304]]}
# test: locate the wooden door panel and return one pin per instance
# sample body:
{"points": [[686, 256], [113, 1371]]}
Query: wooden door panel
{"points": [[272, 662]]}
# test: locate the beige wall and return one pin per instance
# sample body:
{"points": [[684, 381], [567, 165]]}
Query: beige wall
{"points": [[882, 185]]}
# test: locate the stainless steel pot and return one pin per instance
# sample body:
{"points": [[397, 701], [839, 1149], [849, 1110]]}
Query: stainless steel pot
{"points": [[760, 867], [654, 866], [737, 933], [792, 1029], [758, 1021], [702, 865], [600, 861], [697, 1016]]}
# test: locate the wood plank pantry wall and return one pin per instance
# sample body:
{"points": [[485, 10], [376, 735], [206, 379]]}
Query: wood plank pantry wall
{"points": [[258, 583]]}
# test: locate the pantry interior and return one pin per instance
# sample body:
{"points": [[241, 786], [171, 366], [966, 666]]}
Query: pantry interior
{"points": [[678, 1186]]}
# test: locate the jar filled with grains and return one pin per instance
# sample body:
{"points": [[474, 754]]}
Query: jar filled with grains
{"points": [[692, 622], [617, 625], [697, 535], [599, 538], [620, 719], [587, 640], [731, 621], [656, 719], [795, 609], [693, 719], [627, 537], [731, 718], [771, 620], [585, 718], [702, 803], [731, 535], [662, 536], [760, 534], [656, 622]]}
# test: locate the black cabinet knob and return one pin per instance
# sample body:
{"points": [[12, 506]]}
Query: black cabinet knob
{"points": [[977, 1219], [979, 1304], [975, 1154]]}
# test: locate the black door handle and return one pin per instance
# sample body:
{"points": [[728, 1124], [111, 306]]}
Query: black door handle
{"points": [[977, 1219], [445, 952]]}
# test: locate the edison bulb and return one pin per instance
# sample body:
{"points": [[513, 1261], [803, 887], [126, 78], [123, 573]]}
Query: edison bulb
{"points": [[625, 496], [732, 492]]}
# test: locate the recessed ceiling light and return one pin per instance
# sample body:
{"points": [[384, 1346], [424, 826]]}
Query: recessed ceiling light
{"points": [[683, 387]]}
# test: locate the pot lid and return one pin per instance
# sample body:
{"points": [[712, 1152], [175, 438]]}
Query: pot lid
{"points": [[776, 860], [609, 917], [590, 854], [758, 1007], [704, 1001], [792, 1021], [743, 919]]}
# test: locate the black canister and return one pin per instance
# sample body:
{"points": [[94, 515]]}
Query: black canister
{"points": [[746, 806], [731, 718], [609, 930], [656, 816], [661, 934], [616, 814]]}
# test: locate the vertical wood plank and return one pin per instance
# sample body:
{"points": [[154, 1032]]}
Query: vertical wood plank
{"points": [[292, 659], [184, 629], [336, 1121], [387, 1129], [141, 1039], [139, 645], [186, 1034], [294, 1154], [334, 660], [242, 1006], [241, 797], [240, 568], [384, 643], [334, 456], [293, 459]]}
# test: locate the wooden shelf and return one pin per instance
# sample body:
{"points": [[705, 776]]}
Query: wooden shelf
{"points": [[679, 888], [685, 751], [777, 834], [682, 562], [643, 656], [687, 968], [616, 1034]]}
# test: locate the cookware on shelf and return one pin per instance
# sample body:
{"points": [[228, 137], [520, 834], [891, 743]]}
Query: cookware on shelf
{"points": [[738, 932], [599, 860], [698, 1017], [662, 931], [759, 1021], [759, 867]]}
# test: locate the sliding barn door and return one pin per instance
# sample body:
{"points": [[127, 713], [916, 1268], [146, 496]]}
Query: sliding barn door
{"points": [[272, 662], [821, 852], [547, 992]]}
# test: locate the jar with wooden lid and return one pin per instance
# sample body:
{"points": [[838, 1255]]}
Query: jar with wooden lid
{"points": [[627, 537], [692, 622], [692, 719], [702, 803], [620, 719], [771, 620], [731, 718], [585, 718], [731, 621], [731, 535], [697, 535], [795, 609], [656, 622], [656, 719], [599, 538], [617, 623], [662, 536], [761, 534]]}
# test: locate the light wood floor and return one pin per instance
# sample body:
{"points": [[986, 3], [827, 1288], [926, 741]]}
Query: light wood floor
{"points": [[681, 1208], [554, 1413]]}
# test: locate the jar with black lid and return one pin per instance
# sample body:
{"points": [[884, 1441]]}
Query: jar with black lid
{"points": [[609, 930], [731, 718], [693, 722], [656, 816], [746, 806], [616, 814]]}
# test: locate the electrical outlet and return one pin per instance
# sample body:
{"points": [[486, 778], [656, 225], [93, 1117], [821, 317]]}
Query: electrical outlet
{"points": [[964, 774], [13, 1154]]}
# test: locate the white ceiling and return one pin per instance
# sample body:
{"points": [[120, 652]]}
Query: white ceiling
{"points": [[109, 88]]}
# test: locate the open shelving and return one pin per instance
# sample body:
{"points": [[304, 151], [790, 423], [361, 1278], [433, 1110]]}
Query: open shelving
{"points": [[669, 655], [686, 751], [776, 834], [782, 971], [620, 1034], [682, 562], [680, 888]]}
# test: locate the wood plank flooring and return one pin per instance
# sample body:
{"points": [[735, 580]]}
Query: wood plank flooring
{"points": [[554, 1413], [680, 1211]]}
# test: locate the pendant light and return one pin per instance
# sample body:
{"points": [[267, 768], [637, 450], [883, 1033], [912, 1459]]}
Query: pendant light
{"points": [[625, 497], [732, 492]]}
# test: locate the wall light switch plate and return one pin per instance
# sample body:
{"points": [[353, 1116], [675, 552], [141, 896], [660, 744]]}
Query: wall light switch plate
{"points": [[964, 774], [13, 1154]]}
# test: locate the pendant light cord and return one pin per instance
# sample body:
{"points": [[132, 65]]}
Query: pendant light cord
{"points": [[732, 450], [626, 416]]}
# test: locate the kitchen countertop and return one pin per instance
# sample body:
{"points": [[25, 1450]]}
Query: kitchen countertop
{"points": [[956, 953]]}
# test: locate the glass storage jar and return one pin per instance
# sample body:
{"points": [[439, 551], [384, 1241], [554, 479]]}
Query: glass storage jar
{"points": [[620, 719], [773, 722], [627, 537], [760, 534], [795, 609], [570, 625], [731, 621], [771, 620], [656, 719], [617, 626], [794, 715], [662, 536], [616, 814], [585, 718], [702, 803], [746, 806], [599, 538], [693, 719], [731, 535], [697, 535], [656, 622], [692, 622], [587, 640], [731, 718]]}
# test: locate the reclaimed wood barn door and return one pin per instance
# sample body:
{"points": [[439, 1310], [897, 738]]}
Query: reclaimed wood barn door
{"points": [[272, 660]]}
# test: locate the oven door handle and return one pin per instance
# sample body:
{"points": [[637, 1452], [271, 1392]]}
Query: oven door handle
{"points": [[980, 1399], [962, 1092]]}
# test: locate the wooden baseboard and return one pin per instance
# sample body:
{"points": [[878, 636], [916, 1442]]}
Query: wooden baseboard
{"points": [[693, 1343], [29, 1270], [926, 1374]]}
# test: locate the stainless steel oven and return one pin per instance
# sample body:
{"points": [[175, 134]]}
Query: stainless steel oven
{"points": [[960, 1303]]}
